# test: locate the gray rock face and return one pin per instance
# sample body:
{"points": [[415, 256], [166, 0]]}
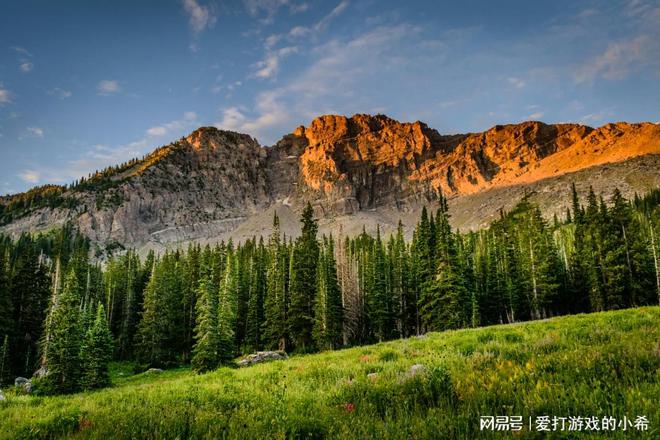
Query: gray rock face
{"points": [[262, 356], [359, 171]]}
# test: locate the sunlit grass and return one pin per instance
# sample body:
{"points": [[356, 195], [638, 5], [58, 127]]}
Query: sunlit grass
{"points": [[598, 364]]}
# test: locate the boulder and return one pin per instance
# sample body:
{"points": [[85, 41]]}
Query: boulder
{"points": [[154, 371], [262, 356], [24, 384], [2, 397]]}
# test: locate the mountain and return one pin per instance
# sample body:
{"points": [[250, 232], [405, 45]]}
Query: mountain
{"points": [[358, 171]]}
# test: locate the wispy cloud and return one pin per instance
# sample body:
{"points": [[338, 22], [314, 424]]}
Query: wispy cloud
{"points": [[325, 21], [32, 133], [5, 96], [200, 17], [269, 8], [321, 25], [26, 66], [188, 120], [98, 156], [108, 87], [37, 132], [269, 66], [60, 93], [337, 68], [30, 176], [518, 83], [25, 63], [620, 59]]}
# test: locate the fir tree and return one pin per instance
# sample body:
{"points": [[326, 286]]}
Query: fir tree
{"points": [[274, 326], [96, 353], [303, 283], [205, 352], [328, 313], [228, 309], [63, 355]]}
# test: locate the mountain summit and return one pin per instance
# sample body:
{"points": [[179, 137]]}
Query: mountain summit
{"points": [[356, 171]]}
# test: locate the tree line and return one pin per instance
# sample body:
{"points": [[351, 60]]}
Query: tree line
{"points": [[67, 317]]}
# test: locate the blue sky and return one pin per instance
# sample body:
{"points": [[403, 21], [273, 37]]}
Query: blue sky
{"points": [[86, 84]]}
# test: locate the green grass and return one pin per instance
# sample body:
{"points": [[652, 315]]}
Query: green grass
{"points": [[589, 365]]}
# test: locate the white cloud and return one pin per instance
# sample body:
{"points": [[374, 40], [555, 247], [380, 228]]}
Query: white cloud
{"points": [[322, 24], [270, 112], [325, 21], [107, 87], [199, 17], [36, 132], [535, 115], [22, 51], [188, 119], [272, 41], [232, 119], [299, 31], [269, 8], [60, 93], [327, 85], [26, 66], [98, 157], [620, 59], [516, 82], [30, 176], [269, 67], [5, 96]]}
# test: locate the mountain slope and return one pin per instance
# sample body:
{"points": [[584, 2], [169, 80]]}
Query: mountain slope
{"points": [[356, 171]]}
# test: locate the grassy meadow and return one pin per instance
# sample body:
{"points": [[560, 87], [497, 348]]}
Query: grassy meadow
{"points": [[585, 365]]}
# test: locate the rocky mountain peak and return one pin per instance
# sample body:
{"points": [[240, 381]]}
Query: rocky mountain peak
{"points": [[213, 182], [214, 138]]}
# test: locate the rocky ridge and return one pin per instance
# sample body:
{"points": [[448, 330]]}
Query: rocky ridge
{"points": [[361, 169]]}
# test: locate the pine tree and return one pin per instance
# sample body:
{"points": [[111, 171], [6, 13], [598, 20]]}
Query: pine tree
{"points": [[205, 352], [228, 309], [6, 321], [257, 291], [274, 326], [303, 283], [96, 353], [328, 313], [63, 355], [5, 367]]}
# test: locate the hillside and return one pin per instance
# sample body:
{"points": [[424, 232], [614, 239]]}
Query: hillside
{"points": [[569, 366], [363, 170]]}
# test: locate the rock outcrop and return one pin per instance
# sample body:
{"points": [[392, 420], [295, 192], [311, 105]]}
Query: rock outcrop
{"points": [[360, 170], [261, 357]]}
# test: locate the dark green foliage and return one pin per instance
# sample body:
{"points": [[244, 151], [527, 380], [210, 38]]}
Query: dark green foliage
{"points": [[96, 353], [206, 306], [276, 301], [205, 355], [328, 312], [62, 343], [304, 261]]}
